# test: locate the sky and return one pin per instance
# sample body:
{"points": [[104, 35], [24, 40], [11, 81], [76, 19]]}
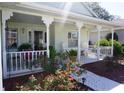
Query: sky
{"points": [[114, 8]]}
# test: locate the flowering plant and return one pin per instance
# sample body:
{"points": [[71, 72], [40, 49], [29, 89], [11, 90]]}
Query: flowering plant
{"points": [[32, 84], [74, 67]]}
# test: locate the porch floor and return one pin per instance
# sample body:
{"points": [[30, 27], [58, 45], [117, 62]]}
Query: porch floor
{"points": [[99, 68]]}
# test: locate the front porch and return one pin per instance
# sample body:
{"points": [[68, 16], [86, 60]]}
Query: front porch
{"points": [[40, 33]]}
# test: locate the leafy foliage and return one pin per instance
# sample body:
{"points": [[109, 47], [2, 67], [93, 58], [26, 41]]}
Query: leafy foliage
{"points": [[53, 53], [72, 54], [117, 47], [101, 12], [103, 42], [60, 81], [51, 65], [24, 46]]}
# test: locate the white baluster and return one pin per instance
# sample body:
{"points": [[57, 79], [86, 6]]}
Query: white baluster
{"points": [[16, 62], [32, 56], [20, 61], [11, 55], [28, 59], [36, 55], [24, 60]]}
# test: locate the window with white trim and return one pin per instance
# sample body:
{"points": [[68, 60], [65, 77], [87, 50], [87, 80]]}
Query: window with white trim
{"points": [[72, 39], [11, 37]]}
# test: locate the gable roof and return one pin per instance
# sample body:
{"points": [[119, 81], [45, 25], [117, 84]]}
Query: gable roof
{"points": [[76, 7]]}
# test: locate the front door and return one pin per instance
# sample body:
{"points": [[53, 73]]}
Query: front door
{"points": [[38, 40]]}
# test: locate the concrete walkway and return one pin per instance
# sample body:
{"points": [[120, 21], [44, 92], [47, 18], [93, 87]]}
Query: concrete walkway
{"points": [[99, 83]]}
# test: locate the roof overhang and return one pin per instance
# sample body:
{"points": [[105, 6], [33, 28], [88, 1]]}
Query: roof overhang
{"points": [[33, 7]]}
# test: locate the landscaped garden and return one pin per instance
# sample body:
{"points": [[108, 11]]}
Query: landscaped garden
{"points": [[110, 67], [58, 70], [56, 75]]}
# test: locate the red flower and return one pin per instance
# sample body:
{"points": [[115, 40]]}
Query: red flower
{"points": [[71, 78]]}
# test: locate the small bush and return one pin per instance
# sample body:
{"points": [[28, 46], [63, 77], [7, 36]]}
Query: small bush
{"points": [[122, 50], [51, 65], [117, 47], [24, 46], [71, 53], [103, 42], [53, 52]]}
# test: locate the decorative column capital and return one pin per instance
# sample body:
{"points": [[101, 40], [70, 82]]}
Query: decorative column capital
{"points": [[6, 14], [47, 20], [98, 27], [79, 24]]}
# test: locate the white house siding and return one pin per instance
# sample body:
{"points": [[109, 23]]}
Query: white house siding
{"points": [[61, 35], [120, 36], [58, 33], [23, 36]]}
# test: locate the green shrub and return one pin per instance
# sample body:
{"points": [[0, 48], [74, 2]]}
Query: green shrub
{"points": [[53, 52], [24, 46], [103, 42], [117, 47], [71, 53], [51, 65], [122, 49]]}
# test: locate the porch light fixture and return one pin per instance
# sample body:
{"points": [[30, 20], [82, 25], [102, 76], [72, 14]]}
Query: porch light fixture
{"points": [[83, 80]]}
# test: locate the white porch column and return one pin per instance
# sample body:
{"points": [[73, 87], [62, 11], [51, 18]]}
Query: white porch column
{"points": [[98, 46], [79, 26], [5, 16], [47, 21], [112, 31], [88, 39]]}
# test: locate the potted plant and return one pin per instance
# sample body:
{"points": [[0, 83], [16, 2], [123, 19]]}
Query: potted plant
{"points": [[26, 47]]}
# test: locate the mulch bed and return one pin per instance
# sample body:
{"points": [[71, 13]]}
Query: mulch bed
{"points": [[99, 68], [10, 83]]}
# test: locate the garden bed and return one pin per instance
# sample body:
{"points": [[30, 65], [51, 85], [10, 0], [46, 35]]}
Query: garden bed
{"points": [[11, 83]]}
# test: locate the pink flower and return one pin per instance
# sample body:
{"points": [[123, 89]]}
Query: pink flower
{"points": [[71, 78]]}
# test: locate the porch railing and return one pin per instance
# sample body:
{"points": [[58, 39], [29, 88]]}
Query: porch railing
{"points": [[105, 51], [23, 61]]}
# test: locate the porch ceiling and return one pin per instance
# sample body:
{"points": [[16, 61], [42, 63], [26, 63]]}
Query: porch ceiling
{"points": [[26, 18]]}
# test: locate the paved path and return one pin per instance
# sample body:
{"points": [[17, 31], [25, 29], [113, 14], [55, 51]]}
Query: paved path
{"points": [[100, 83]]}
